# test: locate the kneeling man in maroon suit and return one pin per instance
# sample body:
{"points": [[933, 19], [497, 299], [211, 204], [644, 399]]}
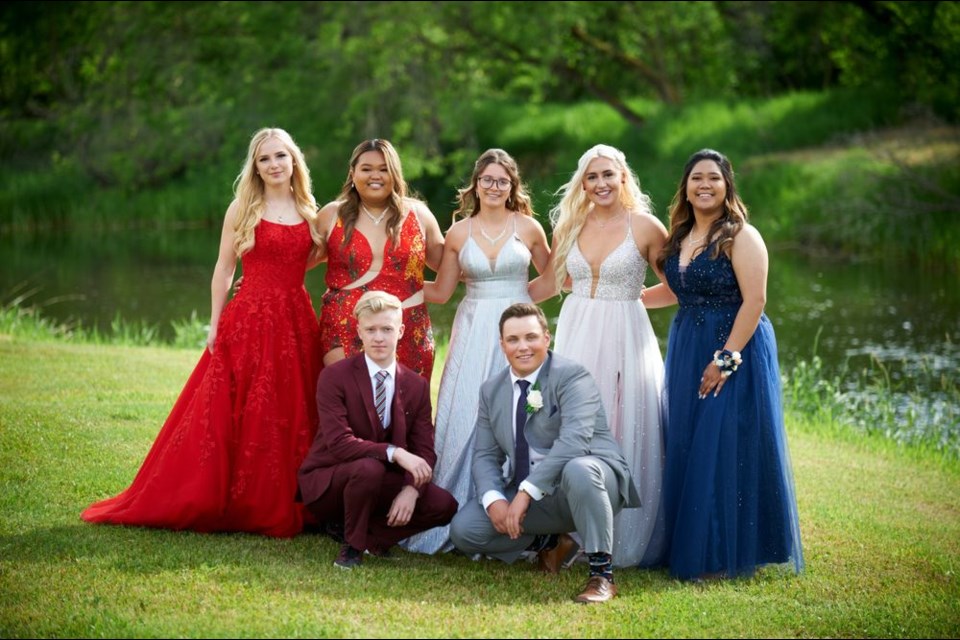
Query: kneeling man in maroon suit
{"points": [[371, 464]]}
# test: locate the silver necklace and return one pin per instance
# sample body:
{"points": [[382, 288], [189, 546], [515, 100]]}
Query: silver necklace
{"points": [[603, 225], [376, 219], [696, 241], [493, 241]]}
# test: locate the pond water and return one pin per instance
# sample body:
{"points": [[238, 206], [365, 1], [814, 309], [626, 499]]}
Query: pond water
{"points": [[848, 312]]}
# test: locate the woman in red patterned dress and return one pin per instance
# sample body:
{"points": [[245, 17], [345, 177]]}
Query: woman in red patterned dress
{"points": [[227, 456], [378, 238]]}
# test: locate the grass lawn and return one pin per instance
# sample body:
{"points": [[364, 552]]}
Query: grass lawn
{"points": [[880, 526]]}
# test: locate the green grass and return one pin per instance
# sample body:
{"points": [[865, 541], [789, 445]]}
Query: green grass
{"points": [[880, 526]]}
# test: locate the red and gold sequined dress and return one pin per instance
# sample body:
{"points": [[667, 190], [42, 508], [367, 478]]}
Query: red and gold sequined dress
{"points": [[401, 275], [227, 456]]}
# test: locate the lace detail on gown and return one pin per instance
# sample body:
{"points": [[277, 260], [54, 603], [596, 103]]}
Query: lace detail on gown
{"points": [[226, 459]]}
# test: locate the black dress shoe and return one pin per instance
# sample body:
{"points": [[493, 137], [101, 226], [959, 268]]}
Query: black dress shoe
{"points": [[335, 531], [348, 558]]}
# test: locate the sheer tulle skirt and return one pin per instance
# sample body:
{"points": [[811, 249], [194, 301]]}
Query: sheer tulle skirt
{"points": [[729, 495], [614, 340]]}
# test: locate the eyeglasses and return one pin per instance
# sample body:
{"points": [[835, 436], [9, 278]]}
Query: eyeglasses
{"points": [[487, 182]]}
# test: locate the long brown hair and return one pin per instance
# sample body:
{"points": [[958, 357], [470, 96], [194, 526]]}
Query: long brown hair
{"points": [[724, 228], [349, 198], [519, 200]]}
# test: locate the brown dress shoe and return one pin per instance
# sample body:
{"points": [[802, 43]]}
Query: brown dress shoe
{"points": [[550, 560], [598, 589]]}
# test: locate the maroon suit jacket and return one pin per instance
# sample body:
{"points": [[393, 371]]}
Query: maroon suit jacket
{"points": [[349, 428]]}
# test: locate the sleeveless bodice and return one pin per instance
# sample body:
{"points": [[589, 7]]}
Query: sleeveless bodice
{"points": [[401, 274], [504, 277], [704, 282], [278, 258], [622, 272], [402, 270]]}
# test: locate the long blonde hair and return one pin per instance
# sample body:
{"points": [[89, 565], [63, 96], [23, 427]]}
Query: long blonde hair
{"points": [[519, 200], [570, 214], [349, 197], [682, 218], [248, 189]]}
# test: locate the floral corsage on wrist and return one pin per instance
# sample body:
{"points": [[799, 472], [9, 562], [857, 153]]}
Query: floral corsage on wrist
{"points": [[727, 361], [534, 398]]}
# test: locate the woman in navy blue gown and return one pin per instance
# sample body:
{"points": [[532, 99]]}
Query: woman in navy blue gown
{"points": [[728, 487]]}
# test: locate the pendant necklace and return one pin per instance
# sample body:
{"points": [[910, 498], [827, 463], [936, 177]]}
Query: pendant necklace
{"points": [[492, 241], [376, 219]]}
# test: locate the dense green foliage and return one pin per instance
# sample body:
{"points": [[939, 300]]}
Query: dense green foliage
{"points": [[138, 113]]}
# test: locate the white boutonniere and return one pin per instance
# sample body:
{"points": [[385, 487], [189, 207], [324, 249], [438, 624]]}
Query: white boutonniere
{"points": [[534, 399]]}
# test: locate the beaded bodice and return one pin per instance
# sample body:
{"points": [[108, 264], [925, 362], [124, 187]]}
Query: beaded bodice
{"points": [[704, 282], [621, 273]]}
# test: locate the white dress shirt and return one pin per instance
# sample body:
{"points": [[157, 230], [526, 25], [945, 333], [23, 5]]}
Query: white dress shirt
{"points": [[389, 383], [535, 456]]}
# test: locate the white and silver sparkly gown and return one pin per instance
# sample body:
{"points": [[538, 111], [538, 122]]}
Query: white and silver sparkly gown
{"points": [[473, 355], [611, 335]]}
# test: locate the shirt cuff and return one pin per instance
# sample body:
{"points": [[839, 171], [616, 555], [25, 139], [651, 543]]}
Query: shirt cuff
{"points": [[490, 497], [531, 490], [390, 450]]}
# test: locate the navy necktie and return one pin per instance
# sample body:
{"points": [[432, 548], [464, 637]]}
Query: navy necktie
{"points": [[522, 456]]}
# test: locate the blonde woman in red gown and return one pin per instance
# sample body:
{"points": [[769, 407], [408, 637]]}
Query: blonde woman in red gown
{"points": [[378, 238], [227, 456]]}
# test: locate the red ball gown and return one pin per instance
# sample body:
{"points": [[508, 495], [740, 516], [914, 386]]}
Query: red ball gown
{"points": [[227, 456]]}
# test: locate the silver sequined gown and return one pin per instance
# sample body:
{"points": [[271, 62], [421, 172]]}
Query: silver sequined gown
{"points": [[610, 334], [473, 355]]}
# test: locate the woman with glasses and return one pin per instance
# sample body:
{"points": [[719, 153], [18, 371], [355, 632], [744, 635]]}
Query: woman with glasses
{"points": [[490, 249], [604, 237], [378, 238]]}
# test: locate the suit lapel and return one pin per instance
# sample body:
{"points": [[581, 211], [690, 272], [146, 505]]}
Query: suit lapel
{"points": [[362, 378], [543, 385], [398, 417], [504, 403]]}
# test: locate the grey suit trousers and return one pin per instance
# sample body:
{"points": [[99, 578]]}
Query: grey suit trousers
{"points": [[586, 501]]}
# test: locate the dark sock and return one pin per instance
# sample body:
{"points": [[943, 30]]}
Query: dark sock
{"points": [[543, 542], [601, 564]]}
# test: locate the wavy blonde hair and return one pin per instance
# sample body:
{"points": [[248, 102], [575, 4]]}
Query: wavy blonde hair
{"points": [[519, 201], [349, 197], [248, 188], [570, 214], [682, 219]]}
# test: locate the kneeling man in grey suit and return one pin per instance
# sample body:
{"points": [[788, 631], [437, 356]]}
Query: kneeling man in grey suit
{"points": [[543, 415]]}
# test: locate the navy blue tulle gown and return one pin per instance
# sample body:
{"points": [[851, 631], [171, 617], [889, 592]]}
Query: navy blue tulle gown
{"points": [[728, 486]]}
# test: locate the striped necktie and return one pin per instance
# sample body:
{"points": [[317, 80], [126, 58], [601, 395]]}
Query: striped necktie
{"points": [[380, 397]]}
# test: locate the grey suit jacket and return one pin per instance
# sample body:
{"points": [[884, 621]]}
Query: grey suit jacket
{"points": [[571, 423]]}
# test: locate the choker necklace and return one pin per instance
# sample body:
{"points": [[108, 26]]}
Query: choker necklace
{"points": [[376, 219], [603, 225], [483, 232]]}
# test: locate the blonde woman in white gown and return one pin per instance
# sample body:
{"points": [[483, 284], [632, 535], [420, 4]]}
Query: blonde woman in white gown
{"points": [[604, 238], [490, 249]]}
